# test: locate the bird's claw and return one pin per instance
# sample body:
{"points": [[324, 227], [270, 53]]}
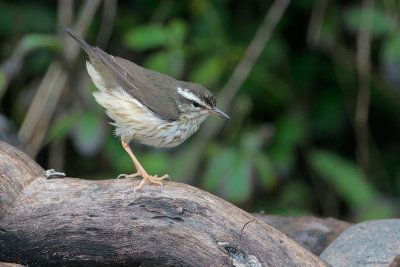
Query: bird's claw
{"points": [[156, 178], [123, 175], [153, 179]]}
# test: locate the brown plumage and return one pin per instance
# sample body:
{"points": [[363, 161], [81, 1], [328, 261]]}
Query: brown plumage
{"points": [[148, 106]]}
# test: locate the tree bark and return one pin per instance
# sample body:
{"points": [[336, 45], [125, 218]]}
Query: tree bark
{"points": [[70, 221]]}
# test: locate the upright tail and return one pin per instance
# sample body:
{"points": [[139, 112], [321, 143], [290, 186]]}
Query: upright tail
{"points": [[85, 46]]}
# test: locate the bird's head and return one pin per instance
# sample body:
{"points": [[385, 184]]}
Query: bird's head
{"points": [[196, 102]]}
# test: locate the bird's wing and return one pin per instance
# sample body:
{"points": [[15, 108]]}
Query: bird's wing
{"points": [[153, 91], [150, 88]]}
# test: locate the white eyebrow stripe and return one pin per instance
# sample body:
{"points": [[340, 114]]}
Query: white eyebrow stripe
{"points": [[188, 95]]}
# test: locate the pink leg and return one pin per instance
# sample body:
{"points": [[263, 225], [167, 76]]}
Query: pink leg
{"points": [[141, 171]]}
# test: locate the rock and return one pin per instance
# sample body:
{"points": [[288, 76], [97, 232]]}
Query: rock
{"points": [[312, 233], [370, 243]]}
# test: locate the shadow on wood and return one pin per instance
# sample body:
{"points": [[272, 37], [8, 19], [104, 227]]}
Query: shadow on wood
{"points": [[72, 221]]}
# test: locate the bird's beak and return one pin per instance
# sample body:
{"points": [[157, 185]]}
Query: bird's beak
{"points": [[218, 112]]}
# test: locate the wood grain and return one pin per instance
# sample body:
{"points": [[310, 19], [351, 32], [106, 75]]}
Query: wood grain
{"points": [[72, 221]]}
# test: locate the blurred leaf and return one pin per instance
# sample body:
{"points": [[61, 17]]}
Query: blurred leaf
{"points": [[177, 30], [376, 210], [2, 78], [290, 132], [229, 172], [344, 176], [118, 157], [330, 30], [391, 49], [176, 62], [220, 167], [250, 143], [38, 62], [207, 72], [381, 22], [275, 54], [328, 117], [62, 127], [208, 35], [237, 186], [146, 37], [198, 6], [17, 17], [158, 62], [177, 165], [296, 195], [36, 41], [169, 62], [266, 171], [154, 162], [88, 133]]}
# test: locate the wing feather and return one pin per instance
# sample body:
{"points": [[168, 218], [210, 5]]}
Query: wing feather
{"points": [[154, 90]]}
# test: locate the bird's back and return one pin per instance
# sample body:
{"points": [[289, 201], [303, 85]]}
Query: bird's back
{"points": [[116, 74]]}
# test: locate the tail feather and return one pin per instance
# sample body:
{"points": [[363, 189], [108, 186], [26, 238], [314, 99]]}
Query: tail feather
{"points": [[85, 46]]}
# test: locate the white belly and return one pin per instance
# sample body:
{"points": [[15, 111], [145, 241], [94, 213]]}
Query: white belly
{"points": [[135, 121]]}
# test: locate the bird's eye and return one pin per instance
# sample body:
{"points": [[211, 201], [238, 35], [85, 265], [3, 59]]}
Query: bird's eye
{"points": [[195, 104]]}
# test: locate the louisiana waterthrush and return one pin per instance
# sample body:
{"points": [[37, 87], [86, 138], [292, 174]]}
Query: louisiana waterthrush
{"points": [[153, 108]]}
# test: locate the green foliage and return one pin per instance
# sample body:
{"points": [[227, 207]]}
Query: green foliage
{"points": [[37, 41], [88, 133], [207, 72], [117, 156], [344, 176], [62, 127], [296, 197], [157, 162], [391, 48], [29, 16], [290, 133], [381, 23], [169, 38], [146, 37], [229, 173], [266, 170]]}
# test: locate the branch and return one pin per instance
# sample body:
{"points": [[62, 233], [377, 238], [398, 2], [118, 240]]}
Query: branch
{"points": [[316, 20], [70, 221], [364, 77]]}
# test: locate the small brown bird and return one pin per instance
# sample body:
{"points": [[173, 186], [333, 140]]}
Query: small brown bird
{"points": [[153, 108]]}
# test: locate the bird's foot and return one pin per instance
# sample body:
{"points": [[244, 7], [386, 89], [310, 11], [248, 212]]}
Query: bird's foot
{"points": [[156, 179], [123, 175], [153, 179]]}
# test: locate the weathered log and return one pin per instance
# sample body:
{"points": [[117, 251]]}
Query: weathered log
{"points": [[16, 171], [70, 221], [314, 234]]}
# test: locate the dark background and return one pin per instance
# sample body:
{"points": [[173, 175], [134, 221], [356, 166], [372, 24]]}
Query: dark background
{"points": [[314, 127]]}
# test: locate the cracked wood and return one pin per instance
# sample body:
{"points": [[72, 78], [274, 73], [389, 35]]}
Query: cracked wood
{"points": [[73, 221]]}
